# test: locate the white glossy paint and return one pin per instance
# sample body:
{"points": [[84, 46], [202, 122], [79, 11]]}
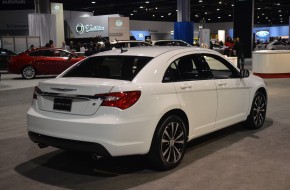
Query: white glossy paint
{"points": [[271, 61], [208, 104]]}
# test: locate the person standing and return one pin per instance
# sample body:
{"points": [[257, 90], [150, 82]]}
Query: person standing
{"points": [[65, 47], [50, 44], [239, 47]]}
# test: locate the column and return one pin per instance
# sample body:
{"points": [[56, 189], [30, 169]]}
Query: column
{"points": [[183, 29], [243, 24]]}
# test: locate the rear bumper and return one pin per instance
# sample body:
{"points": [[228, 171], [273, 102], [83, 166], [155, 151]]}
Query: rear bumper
{"points": [[69, 144], [108, 134]]}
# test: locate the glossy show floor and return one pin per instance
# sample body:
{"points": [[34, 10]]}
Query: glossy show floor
{"points": [[234, 158]]}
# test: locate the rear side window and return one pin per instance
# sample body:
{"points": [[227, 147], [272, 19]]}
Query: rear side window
{"points": [[188, 68], [110, 67], [49, 53]]}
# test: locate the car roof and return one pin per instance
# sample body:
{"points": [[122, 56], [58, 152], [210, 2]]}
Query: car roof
{"points": [[153, 51], [127, 41]]}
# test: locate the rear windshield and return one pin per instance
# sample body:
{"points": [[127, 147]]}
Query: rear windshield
{"points": [[110, 67]]}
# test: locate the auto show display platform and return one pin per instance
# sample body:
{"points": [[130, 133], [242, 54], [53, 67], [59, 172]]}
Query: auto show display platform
{"points": [[271, 63]]}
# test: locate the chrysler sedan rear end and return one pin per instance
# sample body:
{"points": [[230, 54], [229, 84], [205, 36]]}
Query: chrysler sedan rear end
{"points": [[144, 101]]}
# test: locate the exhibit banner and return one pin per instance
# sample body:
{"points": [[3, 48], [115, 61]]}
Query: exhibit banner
{"points": [[88, 27], [222, 35], [204, 38], [119, 28], [43, 25]]}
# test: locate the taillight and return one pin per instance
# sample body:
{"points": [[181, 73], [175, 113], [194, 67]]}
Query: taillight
{"points": [[122, 100], [36, 91]]}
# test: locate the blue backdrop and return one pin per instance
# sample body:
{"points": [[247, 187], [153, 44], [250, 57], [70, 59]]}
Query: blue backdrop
{"points": [[184, 31]]}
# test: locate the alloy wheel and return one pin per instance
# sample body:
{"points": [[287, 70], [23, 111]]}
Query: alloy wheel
{"points": [[173, 142], [259, 110], [28, 72]]}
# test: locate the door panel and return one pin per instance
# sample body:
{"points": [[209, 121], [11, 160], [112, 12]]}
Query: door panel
{"points": [[199, 100], [196, 93], [232, 92], [233, 101]]}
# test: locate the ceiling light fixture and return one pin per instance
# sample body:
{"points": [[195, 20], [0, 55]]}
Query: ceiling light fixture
{"points": [[93, 2]]}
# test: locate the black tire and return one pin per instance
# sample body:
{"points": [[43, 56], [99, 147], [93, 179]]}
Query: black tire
{"points": [[169, 143], [28, 72], [257, 115]]}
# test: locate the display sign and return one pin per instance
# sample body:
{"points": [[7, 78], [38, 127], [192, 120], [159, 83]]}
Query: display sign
{"points": [[80, 28], [263, 33], [119, 28], [88, 27], [56, 8], [13, 2], [140, 35]]}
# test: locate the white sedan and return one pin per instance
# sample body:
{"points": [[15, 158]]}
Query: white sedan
{"points": [[146, 100]]}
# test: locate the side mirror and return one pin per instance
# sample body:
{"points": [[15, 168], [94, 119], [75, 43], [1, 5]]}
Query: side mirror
{"points": [[244, 73], [70, 56]]}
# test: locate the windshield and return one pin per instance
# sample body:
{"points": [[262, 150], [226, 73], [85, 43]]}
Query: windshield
{"points": [[110, 67]]}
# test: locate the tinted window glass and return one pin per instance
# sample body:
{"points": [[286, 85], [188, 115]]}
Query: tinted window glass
{"points": [[161, 43], [42, 53], [60, 53], [111, 67], [170, 43]]}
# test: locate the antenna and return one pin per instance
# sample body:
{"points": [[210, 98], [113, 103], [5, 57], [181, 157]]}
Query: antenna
{"points": [[123, 50]]}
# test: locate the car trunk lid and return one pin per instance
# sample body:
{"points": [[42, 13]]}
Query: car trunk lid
{"points": [[78, 96]]}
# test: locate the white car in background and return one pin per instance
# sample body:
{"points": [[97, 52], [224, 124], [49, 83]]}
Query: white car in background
{"points": [[128, 43], [170, 43], [147, 100], [278, 45]]}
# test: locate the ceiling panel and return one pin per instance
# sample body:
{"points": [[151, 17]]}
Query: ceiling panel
{"points": [[267, 12]]}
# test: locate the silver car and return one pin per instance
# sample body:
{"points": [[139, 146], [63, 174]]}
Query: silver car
{"points": [[278, 45]]}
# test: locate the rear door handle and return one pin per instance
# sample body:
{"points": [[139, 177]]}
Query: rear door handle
{"points": [[184, 86], [222, 83]]}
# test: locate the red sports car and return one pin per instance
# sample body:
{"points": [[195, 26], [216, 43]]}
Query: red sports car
{"points": [[42, 61]]}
